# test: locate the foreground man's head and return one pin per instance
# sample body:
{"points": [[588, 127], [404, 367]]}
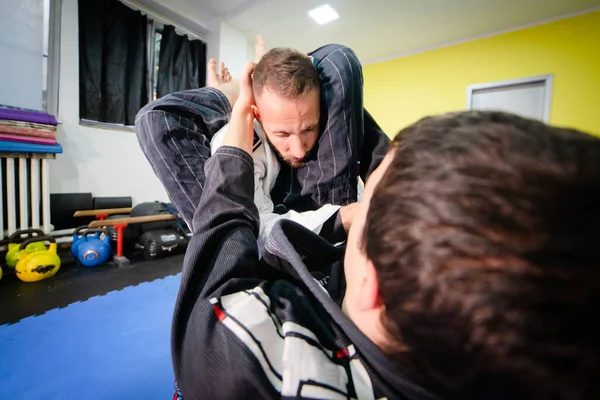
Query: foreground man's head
{"points": [[474, 262]]}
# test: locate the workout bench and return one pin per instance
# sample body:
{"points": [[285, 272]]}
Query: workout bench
{"points": [[120, 224], [103, 213]]}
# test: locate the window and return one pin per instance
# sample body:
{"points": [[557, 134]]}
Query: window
{"points": [[126, 59], [27, 69], [180, 61]]}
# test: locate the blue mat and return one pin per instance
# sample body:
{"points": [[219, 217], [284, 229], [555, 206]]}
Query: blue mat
{"points": [[115, 346], [18, 147]]}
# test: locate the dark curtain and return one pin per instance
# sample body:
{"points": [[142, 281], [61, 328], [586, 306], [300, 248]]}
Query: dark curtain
{"points": [[181, 64], [113, 48]]}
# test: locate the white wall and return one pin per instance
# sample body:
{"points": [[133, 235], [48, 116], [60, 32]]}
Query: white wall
{"points": [[250, 51], [21, 52], [110, 162], [233, 49], [103, 162], [213, 45]]}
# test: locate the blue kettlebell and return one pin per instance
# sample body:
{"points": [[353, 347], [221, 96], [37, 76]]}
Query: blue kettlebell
{"points": [[77, 235], [91, 249]]}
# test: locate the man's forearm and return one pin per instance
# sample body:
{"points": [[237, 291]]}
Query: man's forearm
{"points": [[240, 131]]}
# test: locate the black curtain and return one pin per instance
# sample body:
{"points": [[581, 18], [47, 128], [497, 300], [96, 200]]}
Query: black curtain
{"points": [[181, 64], [113, 65]]}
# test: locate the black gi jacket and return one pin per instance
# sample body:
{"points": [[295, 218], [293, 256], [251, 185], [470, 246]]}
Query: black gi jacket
{"points": [[263, 328]]}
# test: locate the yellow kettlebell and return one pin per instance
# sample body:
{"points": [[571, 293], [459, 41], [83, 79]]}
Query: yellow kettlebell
{"points": [[39, 264], [12, 256]]}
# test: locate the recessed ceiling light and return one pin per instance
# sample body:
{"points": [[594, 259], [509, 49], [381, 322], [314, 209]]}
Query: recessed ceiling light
{"points": [[323, 14]]}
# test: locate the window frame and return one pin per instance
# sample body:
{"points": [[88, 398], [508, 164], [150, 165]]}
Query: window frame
{"points": [[155, 27], [547, 80], [52, 58]]}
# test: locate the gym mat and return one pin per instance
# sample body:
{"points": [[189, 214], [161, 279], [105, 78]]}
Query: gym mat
{"points": [[113, 346], [26, 131], [27, 116], [26, 139], [51, 129], [16, 147], [75, 283]]}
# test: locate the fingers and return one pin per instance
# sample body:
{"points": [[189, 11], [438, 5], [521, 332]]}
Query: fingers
{"points": [[249, 67], [246, 78], [245, 100], [240, 133]]}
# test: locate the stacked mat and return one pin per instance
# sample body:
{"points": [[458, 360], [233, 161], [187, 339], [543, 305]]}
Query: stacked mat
{"points": [[24, 131]]}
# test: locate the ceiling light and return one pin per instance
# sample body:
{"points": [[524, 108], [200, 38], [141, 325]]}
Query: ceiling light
{"points": [[323, 14]]}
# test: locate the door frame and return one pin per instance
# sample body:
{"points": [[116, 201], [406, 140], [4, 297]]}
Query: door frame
{"points": [[547, 80]]}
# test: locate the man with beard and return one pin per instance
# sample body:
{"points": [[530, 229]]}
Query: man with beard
{"points": [[314, 142]]}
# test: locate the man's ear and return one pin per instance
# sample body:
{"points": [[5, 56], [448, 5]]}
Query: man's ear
{"points": [[256, 113], [368, 297]]}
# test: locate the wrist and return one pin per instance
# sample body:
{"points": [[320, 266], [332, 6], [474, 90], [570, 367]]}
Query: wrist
{"points": [[240, 132], [242, 111]]}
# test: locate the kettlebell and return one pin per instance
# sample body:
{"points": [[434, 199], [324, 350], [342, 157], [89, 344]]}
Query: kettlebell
{"points": [[39, 264], [12, 256], [91, 250], [76, 237]]}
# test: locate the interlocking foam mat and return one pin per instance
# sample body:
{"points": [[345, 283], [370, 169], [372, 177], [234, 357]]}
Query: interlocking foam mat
{"points": [[115, 345]]}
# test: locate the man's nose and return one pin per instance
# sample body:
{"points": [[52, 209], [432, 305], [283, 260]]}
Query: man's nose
{"points": [[296, 147]]}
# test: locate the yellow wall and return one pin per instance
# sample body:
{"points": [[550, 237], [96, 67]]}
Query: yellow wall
{"points": [[400, 91]]}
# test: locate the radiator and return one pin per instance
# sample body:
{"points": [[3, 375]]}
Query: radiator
{"points": [[24, 195]]}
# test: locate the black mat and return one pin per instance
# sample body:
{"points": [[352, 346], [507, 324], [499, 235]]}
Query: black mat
{"points": [[75, 283]]}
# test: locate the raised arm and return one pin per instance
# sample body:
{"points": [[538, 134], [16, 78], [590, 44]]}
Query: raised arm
{"points": [[222, 252]]}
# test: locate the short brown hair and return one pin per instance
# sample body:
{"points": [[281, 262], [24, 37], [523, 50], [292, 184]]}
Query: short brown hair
{"points": [[288, 72], [484, 234]]}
